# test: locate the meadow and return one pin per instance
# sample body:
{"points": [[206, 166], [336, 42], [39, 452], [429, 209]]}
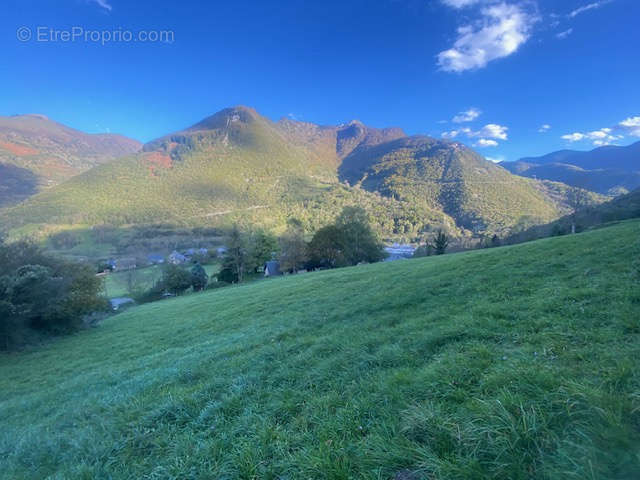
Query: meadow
{"points": [[517, 362], [117, 284]]}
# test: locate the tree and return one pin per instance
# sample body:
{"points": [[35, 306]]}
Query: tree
{"points": [[440, 243], [85, 293], [263, 247], [293, 248], [577, 198], [11, 326], [326, 248], [175, 279], [199, 278], [237, 256], [133, 281], [349, 242], [360, 243], [42, 292]]}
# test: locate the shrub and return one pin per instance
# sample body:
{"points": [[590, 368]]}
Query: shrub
{"points": [[423, 251], [43, 293]]}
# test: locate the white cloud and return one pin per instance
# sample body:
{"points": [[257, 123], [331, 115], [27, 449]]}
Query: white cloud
{"points": [[483, 142], [496, 159], [103, 3], [544, 128], [501, 30], [455, 133], [574, 137], [467, 116], [631, 122], [604, 136], [490, 131], [460, 3], [608, 135], [599, 134], [565, 34], [590, 6], [631, 126], [493, 131]]}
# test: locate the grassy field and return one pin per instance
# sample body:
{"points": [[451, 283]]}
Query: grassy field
{"points": [[512, 363], [117, 284]]}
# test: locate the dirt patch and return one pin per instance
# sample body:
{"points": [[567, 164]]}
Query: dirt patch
{"points": [[156, 161], [18, 150]]}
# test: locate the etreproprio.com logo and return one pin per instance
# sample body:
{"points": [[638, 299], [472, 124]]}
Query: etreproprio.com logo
{"points": [[76, 34]]}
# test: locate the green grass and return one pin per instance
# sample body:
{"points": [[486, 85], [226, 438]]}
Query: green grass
{"points": [[117, 284], [512, 363]]}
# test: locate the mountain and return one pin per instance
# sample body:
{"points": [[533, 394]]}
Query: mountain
{"points": [[448, 177], [238, 165], [609, 170], [623, 207], [506, 364], [36, 153]]}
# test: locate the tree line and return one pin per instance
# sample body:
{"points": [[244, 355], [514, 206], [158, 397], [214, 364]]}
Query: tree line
{"points": [[350, 240]]}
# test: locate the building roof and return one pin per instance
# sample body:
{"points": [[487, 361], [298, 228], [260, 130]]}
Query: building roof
{"points": [[272, 268]]}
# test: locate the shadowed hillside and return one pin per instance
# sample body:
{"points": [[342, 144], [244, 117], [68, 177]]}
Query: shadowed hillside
{"points": [[623, 207], [51, 153]]}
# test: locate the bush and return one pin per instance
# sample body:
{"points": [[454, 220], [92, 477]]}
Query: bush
{"points": [[43, 293], [227, 275], [423, 251]]}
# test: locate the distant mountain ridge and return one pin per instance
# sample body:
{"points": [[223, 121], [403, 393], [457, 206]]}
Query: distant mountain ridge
{"points": [[36, 153], [238, 165], [609, 170]]}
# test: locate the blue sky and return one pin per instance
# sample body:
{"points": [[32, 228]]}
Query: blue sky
{"points": [[512, 78]]}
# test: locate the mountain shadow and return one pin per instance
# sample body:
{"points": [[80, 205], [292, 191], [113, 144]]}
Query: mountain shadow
{"points": [[16, 184]]}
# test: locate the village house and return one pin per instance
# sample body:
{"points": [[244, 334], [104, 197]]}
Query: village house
{"points": [[176, 258]]}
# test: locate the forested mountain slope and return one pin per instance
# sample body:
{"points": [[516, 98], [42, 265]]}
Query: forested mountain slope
{"points": [[237, 165]]}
